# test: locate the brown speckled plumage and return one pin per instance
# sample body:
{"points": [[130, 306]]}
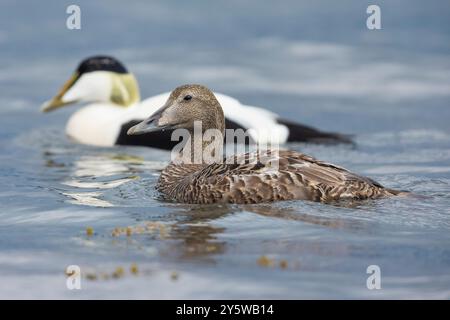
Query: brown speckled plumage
{"points": [[284, 175], [297, 177]]}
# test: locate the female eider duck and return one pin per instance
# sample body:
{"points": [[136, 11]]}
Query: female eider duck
{"points": [[114, 106], [285, 175]]}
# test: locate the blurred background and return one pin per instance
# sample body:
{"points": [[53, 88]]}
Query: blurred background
{"points": [[314, 62], [297, 55]]}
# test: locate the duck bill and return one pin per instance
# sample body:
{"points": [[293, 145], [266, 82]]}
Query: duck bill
{"points": [[58, 101], [141, 128], [150, 124]]}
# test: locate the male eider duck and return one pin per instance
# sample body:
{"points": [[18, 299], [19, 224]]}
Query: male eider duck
{"points": [[114, 106], [285, 175]]}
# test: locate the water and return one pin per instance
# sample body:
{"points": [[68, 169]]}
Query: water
{"points": [[316, 63]]}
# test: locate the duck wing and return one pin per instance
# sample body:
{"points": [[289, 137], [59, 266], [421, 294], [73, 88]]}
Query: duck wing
{"points": [[326, 181], [283, 175]]}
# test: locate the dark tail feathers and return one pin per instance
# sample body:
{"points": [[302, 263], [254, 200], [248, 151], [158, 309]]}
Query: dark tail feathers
{"points": [[302, 133]]}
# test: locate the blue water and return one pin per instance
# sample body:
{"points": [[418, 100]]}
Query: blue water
{"points": [[316, 63]]}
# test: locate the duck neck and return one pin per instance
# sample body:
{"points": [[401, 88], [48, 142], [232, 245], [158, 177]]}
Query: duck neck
{"points": [[124, 90], [196, 154], [202, 147]]}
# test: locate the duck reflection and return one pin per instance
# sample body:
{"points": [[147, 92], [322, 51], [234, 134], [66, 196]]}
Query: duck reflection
{"points": [[298, 214], [195, 234]]}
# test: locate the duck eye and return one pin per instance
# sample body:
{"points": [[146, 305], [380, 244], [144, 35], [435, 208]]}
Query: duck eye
{"points": [[188, 97]]}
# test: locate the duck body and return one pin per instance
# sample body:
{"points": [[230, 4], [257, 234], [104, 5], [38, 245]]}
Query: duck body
{"points": [[112, 106], [95, 124], [261, 176], [103, 123], [288, 175]]}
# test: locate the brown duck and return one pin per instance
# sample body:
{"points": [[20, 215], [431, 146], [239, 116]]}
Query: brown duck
{"points": [[241, 178]]}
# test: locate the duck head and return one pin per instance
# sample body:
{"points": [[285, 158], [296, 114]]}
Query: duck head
{"points": [[97, 79], [186, 106]]}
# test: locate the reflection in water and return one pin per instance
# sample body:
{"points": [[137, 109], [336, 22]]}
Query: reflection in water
{"points": [[104, 165], [294, 214], [200, 235], [196, 235], [97, 185], [89, 174], [87, 199], [197, 240]]}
